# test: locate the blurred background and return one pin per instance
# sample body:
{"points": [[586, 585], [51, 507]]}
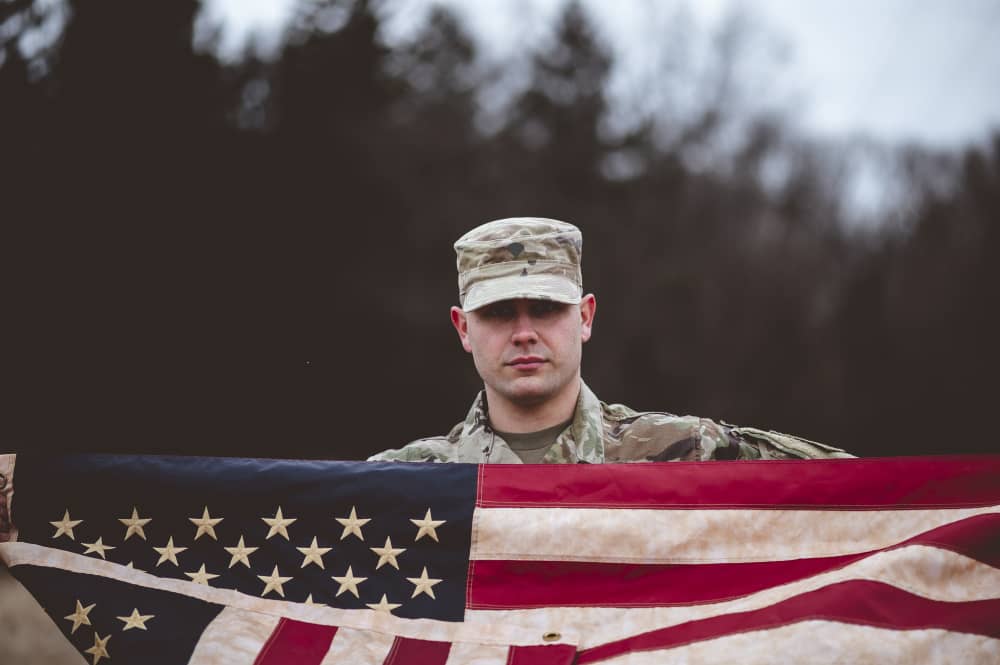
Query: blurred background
{"points": [[227, 226]]}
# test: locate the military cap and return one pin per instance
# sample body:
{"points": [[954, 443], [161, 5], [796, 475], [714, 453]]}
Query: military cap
{"points": [[519, 257]]}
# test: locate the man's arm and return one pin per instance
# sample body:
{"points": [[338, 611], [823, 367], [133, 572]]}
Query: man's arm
{"points": [[687, 438], [753, 443]]}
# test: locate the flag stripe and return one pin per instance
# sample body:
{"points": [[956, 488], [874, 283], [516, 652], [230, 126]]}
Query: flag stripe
{"points": [[468, 653], [358, 647], [927, 571], [556, 654], [524, 584], [857, 601], [825, 642], [407, 651], [871, 483], [235, 637], [296, 642], [529, 584], [696, 536]]}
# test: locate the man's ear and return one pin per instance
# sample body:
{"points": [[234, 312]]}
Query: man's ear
{"points": [[588, 307], [461, 324]]}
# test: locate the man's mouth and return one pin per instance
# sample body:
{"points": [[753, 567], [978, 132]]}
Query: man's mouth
{"points": [[527, 363]]}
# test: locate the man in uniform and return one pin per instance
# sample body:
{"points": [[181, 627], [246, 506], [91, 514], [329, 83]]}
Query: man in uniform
{"points": [[524, 318]]}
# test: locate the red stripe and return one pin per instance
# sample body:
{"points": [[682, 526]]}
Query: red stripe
{"points": [[528, 584], [923, 482], [296, 643], [555, 654], [407, 651], [855, 602]]}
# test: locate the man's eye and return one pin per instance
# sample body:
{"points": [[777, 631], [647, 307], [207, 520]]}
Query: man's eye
{"points": [[545, 307], [498, 311]]}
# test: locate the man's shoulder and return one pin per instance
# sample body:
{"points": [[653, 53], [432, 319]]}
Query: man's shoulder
{"points": [[645, 436], [429, 449], [660, 436]]}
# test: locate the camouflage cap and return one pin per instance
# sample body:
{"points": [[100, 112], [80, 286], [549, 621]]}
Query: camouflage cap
{"points": [[519, 257]]}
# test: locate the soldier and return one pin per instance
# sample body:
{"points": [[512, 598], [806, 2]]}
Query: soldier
{"points": [[524, 318]]}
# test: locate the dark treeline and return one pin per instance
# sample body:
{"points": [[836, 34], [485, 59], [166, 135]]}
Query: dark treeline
{"points": [[255, 258]]}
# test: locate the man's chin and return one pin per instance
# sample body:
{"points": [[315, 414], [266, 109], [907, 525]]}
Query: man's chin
{"points": [[528, 392]]}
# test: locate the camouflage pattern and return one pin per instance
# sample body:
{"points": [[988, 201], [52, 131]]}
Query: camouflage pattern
{"points": [[602, 433], [519, 257]]}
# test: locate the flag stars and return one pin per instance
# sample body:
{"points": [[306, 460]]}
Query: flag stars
{"points": [[169, 552], [427, 526], [65, 526], [383, 605], [279, 524], [79, 616], [349, 583], [135, 524], [273, 582], [135, 620], [100, 648], [387, 554], [97, 547], [200, 576], [352, 524], [240, 554], [313, 554], [206, 524], [423, 584]]}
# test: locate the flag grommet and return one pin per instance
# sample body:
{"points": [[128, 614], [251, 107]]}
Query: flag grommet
{"points": [[551, 637]]}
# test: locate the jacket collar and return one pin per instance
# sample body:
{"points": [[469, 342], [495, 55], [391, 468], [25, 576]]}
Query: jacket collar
{"points": [[582, 441]]}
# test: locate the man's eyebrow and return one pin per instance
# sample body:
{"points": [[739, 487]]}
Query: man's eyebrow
{"points": [[494, 308]]}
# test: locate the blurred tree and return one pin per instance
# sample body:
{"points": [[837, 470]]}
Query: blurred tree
{"points": [[433, 139], [222, 258], [932, 349], [554, 126], [330, 80], [160, 81]]}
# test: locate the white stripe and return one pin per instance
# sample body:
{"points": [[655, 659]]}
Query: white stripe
{"points": [[477, 654], [924, 571], [234, 637], [358, 647], [14, 554], [696, 536], [826, 642]]}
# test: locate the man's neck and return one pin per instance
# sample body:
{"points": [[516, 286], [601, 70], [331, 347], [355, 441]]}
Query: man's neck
{"points": [[508, 416]]}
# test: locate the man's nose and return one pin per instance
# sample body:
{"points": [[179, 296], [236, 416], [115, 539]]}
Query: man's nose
{"points": [[524, 330]]}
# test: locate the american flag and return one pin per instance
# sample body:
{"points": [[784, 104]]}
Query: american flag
{"points": [[142, 559]]}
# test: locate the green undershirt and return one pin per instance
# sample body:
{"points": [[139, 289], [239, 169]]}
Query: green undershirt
{"points": [[532, 446]]}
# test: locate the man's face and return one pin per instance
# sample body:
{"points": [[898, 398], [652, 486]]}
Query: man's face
{"points": [[526, 351]]}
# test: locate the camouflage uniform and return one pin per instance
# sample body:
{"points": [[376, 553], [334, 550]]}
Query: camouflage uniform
{"points": [[537, 258], [603, 432]]}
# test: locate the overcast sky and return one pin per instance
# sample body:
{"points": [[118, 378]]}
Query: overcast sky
{"points": [[924, 70]]}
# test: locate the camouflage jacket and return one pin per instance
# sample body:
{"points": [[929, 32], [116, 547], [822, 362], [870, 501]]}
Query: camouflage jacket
{"points": [[603, 432]]}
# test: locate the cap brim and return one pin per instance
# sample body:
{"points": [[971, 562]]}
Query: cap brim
{"points": [[535, 287]]}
